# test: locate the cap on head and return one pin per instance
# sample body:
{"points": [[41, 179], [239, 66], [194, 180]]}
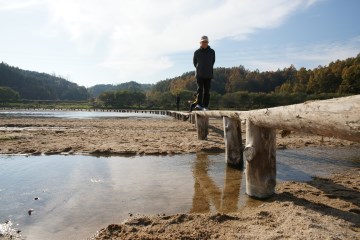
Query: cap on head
{"points": [[204, 39]]}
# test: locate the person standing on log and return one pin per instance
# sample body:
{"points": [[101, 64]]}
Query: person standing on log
{"points": [[204, 60]]}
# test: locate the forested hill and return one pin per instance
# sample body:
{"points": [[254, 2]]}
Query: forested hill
{"points": [[132, 86], [39, 86], [341, 76]]}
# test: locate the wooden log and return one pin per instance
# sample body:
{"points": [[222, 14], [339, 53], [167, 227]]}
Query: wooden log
{"points": [[202, 126], [219, 114], [192, 119], [185, 117], [338, 117], [233, 142], [260, 155]]}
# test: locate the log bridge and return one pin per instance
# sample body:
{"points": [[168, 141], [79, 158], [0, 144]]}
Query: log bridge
{"points": [[338, 117]]}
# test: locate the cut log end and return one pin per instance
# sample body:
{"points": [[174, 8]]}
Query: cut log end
{"points": [[249, 153]]}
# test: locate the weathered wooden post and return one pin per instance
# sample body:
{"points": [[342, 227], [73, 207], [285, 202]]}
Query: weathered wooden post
{"points": [[233, 142], [202, 126], [260, 155], [192, 119]]}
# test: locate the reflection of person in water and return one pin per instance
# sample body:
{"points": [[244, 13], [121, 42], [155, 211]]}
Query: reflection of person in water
{"points": [[207, 193]]}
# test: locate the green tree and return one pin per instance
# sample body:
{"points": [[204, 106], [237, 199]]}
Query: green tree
{"points": [[237, 79], [351, 80], [8, 94], [302, 78], [286, 88]]}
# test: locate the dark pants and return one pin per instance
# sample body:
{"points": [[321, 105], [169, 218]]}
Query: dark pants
{"points": [[203, 91]]}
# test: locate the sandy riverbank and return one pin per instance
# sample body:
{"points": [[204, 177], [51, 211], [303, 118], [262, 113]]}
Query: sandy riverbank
{"points": [[321, 209], [125, 137]]}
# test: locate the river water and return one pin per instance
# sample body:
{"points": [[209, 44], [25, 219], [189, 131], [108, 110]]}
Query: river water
{"points": [[76, 114], [78, 195]]}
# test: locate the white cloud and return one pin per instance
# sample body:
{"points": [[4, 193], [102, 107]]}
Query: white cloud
{"points": [[137, 37], [6, 5], [309, 55], [323, 53], [140, 35]]}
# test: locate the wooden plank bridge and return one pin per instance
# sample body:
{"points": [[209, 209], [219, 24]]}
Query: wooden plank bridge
{"points": [[339, 117]]}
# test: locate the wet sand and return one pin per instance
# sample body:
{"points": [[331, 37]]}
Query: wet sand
{"points": [[122, 136], [320, 209], [126, 136]]}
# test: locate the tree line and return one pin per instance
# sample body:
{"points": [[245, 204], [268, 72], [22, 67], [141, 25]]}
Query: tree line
{"points": [[132, 86], [232, 88], [122, 99], [39, 86], [240, 88]]}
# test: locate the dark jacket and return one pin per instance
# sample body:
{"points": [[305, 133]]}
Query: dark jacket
{"points": [[204, 60]]}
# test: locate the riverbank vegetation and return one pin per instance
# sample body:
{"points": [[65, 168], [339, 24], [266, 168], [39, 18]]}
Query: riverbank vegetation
{"points": [[232, 88]]}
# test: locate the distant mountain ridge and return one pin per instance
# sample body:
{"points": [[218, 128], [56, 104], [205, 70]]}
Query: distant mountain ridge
{"points": [[132, 86], [33, 85]]}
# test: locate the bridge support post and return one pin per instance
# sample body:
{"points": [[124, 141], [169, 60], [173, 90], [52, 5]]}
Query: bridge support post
{"points": [[260, 154], [192, 119], [233, 142], [202, 126]]}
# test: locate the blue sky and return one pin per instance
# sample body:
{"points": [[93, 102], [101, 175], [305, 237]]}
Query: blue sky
{"points": [[110, 42]]}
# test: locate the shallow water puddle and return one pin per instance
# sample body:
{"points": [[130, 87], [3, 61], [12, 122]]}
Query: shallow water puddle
{"points": [[78, 195]]}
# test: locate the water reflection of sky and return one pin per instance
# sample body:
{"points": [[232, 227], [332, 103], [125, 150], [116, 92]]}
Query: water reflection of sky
{"points": [[302, 165], [77, 114], [80, 194]]}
